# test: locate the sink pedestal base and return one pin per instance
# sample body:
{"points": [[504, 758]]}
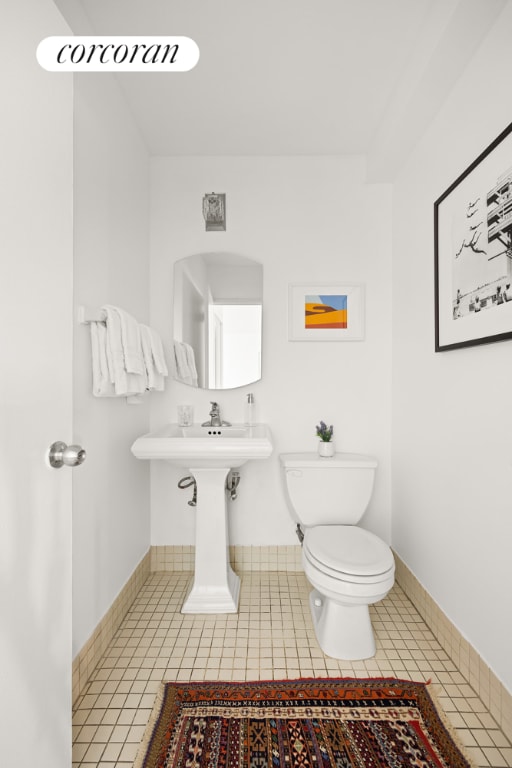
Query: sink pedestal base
{"points": [[216, 587]]}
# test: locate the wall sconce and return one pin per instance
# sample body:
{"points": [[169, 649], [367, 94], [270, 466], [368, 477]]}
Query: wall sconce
{"points": [[214, 212]]}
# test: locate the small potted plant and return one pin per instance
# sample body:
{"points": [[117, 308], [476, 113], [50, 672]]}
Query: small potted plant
{"points": [[325, 445]]}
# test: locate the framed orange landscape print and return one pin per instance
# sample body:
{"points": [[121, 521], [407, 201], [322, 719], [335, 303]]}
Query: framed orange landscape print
{"points": [[326, 312]]}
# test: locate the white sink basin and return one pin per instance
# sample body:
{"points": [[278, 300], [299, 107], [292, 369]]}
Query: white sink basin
{"points": [[205, 447]]}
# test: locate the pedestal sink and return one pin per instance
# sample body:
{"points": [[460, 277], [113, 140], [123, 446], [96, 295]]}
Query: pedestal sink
{"points": [[209, 453]]}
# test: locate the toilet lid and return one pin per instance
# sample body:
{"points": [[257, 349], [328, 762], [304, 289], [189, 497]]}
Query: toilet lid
{"points": [[347, 549]]}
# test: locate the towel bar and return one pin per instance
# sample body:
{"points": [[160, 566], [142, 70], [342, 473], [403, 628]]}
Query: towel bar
{"points": [[88, 315]]}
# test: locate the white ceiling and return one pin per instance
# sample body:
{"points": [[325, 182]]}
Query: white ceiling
{"points": [[294, 77]]}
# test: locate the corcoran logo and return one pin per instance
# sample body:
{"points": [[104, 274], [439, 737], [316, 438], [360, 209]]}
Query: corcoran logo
{"points": [[117, 54]]}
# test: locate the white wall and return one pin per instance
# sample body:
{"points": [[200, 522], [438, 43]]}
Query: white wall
{"points": [[452, 457], [111, 490], [306, 220]]}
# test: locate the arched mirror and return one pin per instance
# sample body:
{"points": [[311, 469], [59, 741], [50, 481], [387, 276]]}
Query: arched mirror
{"points": [[218, 300]]}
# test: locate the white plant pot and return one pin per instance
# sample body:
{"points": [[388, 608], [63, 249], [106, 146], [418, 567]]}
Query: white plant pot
{"points": [[326, 449]]}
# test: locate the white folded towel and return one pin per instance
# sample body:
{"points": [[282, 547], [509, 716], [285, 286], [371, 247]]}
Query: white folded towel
{"points": [[184, 363], [183, 372], [102, 386], [154, 360], [131, 341], [157, 348], [191, 362], [124, 353]]}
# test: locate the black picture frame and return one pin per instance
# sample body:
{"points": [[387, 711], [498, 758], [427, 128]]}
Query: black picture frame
{"points": [[473, 252]]}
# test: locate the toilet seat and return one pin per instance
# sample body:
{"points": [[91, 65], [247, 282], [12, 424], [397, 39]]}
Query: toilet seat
{"points": [[348, 553]]}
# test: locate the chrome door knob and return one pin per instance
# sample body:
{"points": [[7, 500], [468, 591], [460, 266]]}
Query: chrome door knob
{"points": [[70, 455]]}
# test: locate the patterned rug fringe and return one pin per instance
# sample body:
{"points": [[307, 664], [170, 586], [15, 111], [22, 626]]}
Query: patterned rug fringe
{"points": [[148, 733], [433, 690]]}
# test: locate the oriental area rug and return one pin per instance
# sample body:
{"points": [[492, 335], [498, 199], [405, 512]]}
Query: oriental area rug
{"points": [[313, 723]]}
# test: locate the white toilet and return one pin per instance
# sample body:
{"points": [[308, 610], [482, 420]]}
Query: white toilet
{"points": [[349, 567]]}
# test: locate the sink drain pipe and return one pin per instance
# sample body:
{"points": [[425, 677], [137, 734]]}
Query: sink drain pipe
{"points": [[186, 482], [232, 483]]}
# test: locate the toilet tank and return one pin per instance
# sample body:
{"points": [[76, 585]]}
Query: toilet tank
{"points": [[328, 491]]}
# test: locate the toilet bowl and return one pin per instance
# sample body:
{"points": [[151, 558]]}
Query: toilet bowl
{"points": [[348, 567]]}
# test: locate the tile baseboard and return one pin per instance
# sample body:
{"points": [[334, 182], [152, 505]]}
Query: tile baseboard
{"points": [[242, 558], [472, 667], [88, 657]]}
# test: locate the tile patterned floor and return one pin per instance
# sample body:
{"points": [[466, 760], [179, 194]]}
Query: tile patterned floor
{"points": [[270, 638]]}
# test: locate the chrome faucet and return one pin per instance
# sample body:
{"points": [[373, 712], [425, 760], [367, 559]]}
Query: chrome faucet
{"points": [[215, 420]]}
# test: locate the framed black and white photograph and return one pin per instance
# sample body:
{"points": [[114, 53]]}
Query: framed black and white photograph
{"points": [[473, 252]]}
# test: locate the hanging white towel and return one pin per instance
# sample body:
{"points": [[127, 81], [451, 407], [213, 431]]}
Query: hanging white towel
{"points": [[124, 353], [130, 337], [157, 348], [183, 372], [154, 360], [102, 385], [191, 362], [172, 362]]}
